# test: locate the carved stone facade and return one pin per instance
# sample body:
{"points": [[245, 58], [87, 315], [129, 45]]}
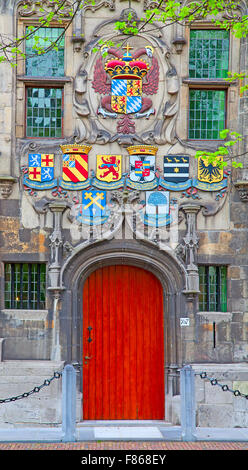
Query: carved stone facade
{"points": [[201, 224]]}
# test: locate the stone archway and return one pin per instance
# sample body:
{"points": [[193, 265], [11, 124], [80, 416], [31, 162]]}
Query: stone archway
{"points": [[163, 265]]}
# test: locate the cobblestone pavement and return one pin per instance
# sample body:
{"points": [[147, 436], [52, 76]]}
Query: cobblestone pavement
{"points": [[160, 446]]}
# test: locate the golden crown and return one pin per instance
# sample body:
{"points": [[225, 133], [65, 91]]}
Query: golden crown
{"points": [[127, 66], [142, 150], [75, 148]]}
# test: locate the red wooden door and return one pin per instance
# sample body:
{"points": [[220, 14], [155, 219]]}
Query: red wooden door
{"points": [[123, 335]]}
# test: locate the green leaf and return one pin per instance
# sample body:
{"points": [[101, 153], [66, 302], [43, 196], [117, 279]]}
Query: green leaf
{"points": [[224, 133]]}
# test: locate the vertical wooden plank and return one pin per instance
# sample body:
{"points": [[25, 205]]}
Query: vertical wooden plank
{"points": [[105, 335], [91, 345], [85, 368], [159, 410], [146, 355], [126, 341], [139, 289], [112, 342], [133, 341], [156, 348], [99, 346], [153, 346], [119, 345], [161, 352]]}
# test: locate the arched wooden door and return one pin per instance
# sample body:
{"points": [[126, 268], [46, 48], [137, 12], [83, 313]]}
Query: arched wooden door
{"points": [[123, 345]]}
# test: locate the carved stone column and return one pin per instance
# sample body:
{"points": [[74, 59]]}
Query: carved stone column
{"points": [[56, 289], [56, 244], [190, 246]]}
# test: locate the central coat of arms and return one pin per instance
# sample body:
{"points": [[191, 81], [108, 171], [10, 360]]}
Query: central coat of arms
{"points": [[127, 92], [130, 78]]}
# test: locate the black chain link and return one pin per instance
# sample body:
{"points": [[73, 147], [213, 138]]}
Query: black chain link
{"points": [[36, 389], [57, 375], [224, 388]]}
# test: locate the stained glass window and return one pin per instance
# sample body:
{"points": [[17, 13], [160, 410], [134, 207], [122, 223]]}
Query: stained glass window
{"points": [[50, 64], [209, 53], [25, 285], [44, 112], [213, 288], [206, 113]]}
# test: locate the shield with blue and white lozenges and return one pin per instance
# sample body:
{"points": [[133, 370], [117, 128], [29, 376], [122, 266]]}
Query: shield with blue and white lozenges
{"points": [[126, 95]]}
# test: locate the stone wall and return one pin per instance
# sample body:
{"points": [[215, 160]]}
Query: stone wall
{"points": [[214, 407], [213, 232], [218, 408], [41, 408]]}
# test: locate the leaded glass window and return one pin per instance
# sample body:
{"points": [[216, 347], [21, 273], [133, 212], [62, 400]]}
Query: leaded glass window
{"points": [[44, 112], [213, 288], [206, 113], [50, 64], [209, 53], [25, 285]]}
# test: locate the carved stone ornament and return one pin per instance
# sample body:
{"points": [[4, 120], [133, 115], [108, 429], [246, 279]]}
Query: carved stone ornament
{"points": [[231, 12], [6, 186], [120, 94], [242, 187], [27, 8], [189, 247]]}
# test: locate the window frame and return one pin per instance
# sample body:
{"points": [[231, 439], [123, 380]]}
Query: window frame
{"points": [[25, 47], [62, 111], [27, 81], [39, 304], [218, 291], [214, 84], [203, 88], [201, 28]]}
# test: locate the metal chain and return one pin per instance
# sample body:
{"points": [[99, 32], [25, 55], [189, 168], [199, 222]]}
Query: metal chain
{"points": [[37, 389], [57, 375], [224, 388]]}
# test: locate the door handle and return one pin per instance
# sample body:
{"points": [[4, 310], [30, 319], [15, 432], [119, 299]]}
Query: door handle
{"points": [[90, 339], [87, 358]]}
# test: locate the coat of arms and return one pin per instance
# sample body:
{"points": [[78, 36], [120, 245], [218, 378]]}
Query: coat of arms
{"points": [[118, 94], [176, 168], [209, 172], [108, 172], [40, 171], [75, 167], [130, 78], [40, 167], [157, 209], [142, 167], [93, 210], [108, 167]]}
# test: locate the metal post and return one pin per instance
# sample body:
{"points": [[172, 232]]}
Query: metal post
{"points": [[69, 404], [187, 385]]}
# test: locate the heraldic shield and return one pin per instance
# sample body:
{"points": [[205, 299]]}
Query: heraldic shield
{"points": [[126, 82], [126, 95], [142, 167], [75, 166], [108, 168], [40, 171]]}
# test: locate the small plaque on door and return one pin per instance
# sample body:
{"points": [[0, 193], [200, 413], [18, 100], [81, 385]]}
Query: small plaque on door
{"points": [[184, 321]]}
